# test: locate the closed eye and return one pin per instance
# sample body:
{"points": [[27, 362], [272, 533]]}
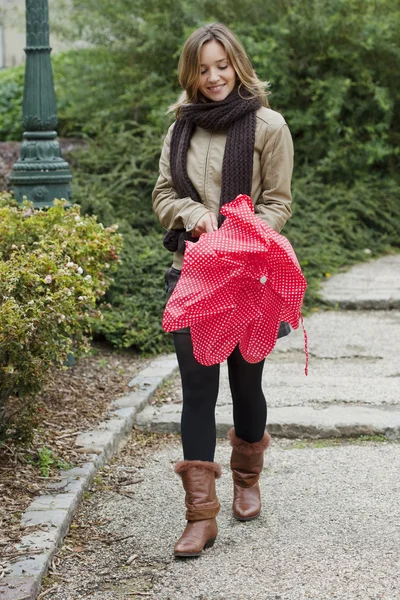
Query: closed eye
{"points": [[220, 68]]}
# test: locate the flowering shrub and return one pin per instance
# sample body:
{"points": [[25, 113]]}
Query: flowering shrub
{"points": [[54, 266]]}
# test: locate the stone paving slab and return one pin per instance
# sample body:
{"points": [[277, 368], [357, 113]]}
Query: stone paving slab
{"points": [[354, 358], [371, 285], [354, 375], [348, 335], [290, 422]]}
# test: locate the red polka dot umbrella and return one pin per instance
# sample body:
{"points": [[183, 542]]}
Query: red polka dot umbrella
{"points": [[237, 284]]}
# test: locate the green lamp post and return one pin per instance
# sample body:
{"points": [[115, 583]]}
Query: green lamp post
{"points": [[40, 173]]}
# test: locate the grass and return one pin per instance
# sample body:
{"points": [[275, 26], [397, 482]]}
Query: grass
{"points": [[46, 461], [329, 442]]}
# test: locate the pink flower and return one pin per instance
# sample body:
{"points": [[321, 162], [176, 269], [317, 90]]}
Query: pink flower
{"points": [[48, 279]]}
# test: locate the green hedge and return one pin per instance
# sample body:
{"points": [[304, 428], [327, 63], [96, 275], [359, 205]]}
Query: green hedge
{"points": [[114, 179], [334, 226], [137, 297], [11, 91]]}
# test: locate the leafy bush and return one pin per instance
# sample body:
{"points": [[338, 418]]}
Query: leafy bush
{"points": [[54, 266], [130, 62]]}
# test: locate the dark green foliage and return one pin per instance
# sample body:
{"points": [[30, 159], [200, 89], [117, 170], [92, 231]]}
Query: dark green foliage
{"points": [[11, 91], [131, 61], [116, 173], [334, 225], [332, 66], [137, 298], [114, 179]]}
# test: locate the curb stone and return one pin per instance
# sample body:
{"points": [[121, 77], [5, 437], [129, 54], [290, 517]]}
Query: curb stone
{"points": [[54, 511]]}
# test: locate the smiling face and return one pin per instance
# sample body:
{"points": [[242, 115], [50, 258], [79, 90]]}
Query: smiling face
{"points": [[218, 77]]}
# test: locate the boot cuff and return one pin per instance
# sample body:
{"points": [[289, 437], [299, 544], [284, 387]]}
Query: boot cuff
{"points": [[248, 448], [185, 465]]}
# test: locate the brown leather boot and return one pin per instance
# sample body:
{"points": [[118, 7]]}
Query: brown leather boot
{"points": [[247, 461], [198, 478]]}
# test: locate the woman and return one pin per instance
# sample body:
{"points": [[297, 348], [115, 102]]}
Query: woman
{"points": [[225, 141]]}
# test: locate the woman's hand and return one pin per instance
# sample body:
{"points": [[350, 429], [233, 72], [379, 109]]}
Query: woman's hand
{"points": [[206, 224]]}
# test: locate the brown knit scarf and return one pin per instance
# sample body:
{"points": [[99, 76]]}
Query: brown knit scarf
{"points": [[237, 114]]}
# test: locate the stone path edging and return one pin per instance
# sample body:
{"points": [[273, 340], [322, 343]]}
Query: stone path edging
{"points": [[55, 510]]}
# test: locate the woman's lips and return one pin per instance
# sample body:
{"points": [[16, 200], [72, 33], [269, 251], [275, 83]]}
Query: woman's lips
{"points": [[216, 88]]}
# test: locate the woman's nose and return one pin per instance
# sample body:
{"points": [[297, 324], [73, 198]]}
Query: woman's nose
{"points": [[213, 75]]}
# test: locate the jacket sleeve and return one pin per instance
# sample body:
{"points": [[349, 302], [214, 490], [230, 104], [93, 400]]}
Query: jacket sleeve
{"points": [[273, 205], [172, 211]]}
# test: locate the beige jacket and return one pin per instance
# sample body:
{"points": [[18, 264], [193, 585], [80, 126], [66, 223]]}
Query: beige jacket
{"points": [[272, 172]]}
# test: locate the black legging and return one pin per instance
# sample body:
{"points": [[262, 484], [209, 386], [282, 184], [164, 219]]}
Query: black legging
{"points": [[200, 391]]}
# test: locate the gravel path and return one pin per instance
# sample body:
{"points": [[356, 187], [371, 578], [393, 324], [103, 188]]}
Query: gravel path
{"points": [[329, 529]]}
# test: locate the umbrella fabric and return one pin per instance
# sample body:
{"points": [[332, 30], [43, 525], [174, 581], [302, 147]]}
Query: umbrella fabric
{"points": [[237, 284]]}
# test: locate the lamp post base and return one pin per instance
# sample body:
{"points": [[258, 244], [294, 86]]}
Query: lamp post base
{"points": [[40, 173]]}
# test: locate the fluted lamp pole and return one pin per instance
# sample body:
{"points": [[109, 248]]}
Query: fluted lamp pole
{"points": [[40, 173]]}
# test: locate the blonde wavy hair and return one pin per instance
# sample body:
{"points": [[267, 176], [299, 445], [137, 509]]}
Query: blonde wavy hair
{"points": [[189, 65]]}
